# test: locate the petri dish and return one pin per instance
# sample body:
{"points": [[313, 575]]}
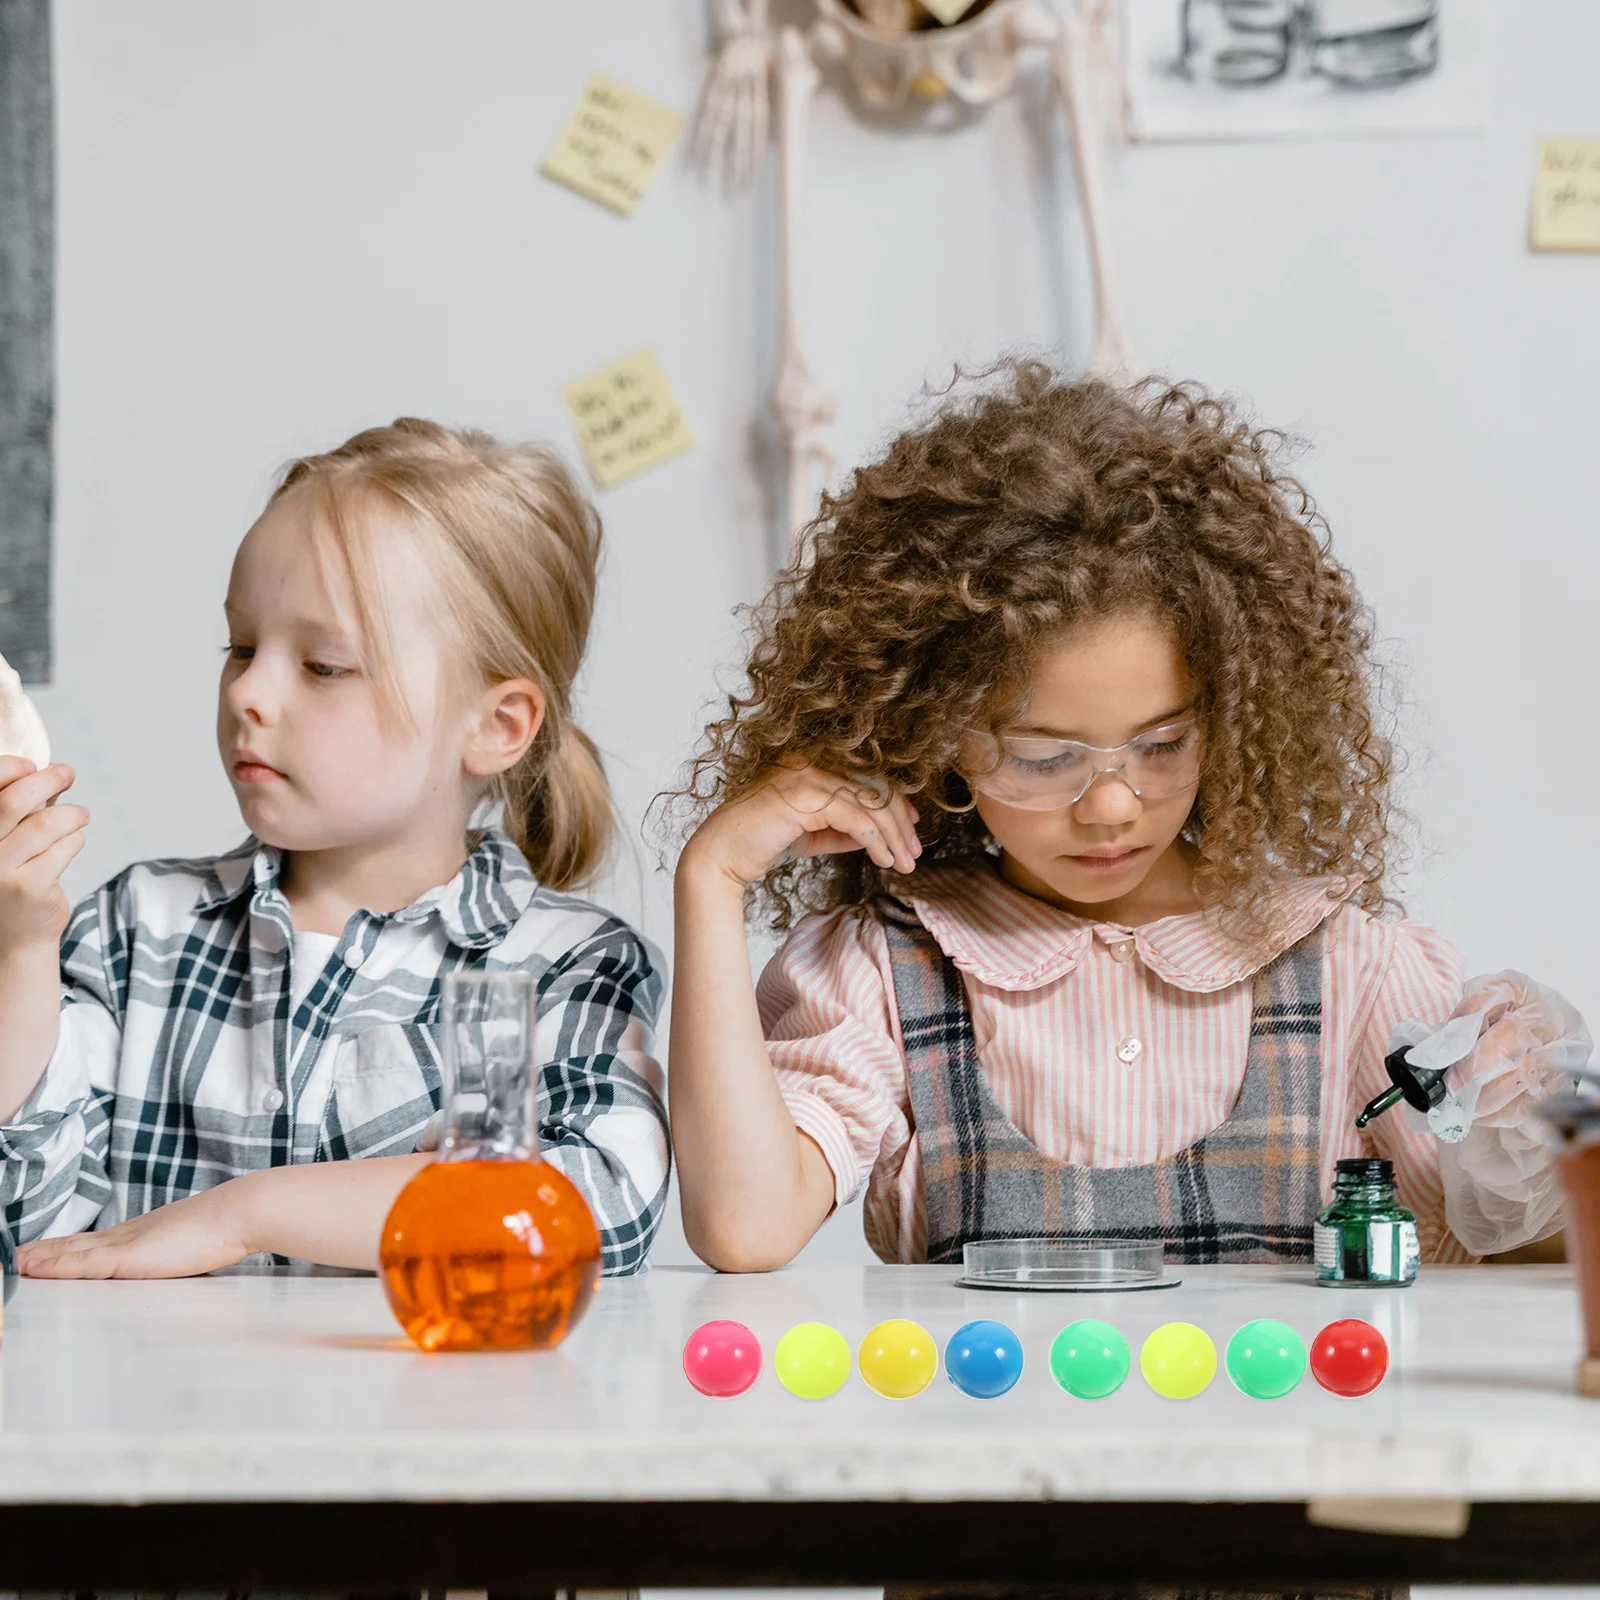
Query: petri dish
{"points": [[1065, 1266]]}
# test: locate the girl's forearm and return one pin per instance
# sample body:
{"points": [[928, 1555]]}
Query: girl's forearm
{"points": [[30, 1018], [330, 1211], [754, 1189]]}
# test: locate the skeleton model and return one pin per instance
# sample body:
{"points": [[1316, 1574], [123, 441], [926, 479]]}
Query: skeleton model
{"points": [[893, 54]]}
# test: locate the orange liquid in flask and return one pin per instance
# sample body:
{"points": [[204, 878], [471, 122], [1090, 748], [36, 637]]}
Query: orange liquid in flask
{"points": [[489, 1255]]}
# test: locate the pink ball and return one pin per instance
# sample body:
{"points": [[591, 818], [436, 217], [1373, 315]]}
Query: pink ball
{"points": [[722, 1359]]}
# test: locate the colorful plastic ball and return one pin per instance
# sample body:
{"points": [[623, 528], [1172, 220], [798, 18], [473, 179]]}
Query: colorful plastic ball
{"points": [[1090, 1359], [983, 1359], [722, 1359], [1266, 1359], [1178, 1360], [812, 1360], [1349, 1358], [898, 1359]]}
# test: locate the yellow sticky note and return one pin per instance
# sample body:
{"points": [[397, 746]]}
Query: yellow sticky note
{"points": [[613, 144], [628, 417], [948, 11], [1566, 195]]}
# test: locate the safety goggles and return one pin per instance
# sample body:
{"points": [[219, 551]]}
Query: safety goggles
{"points": [[1050, 774]]}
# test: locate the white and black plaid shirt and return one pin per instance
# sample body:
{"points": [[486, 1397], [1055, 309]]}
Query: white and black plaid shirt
{"points": [[183, 1060]]}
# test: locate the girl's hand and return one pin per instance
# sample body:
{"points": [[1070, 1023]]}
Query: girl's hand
{"points": [[179, 1240], [1532, 1042], [806, 812], [37, 840]]}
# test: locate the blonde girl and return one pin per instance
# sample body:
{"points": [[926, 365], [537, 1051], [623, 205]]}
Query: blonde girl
{"points": [[1060, 763], [404, 624]]}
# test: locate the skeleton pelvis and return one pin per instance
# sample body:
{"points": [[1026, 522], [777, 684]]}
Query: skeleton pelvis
{"points": [[974, 60]]}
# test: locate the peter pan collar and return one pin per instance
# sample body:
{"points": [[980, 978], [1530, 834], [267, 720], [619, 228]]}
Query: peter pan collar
{"points": [[1009, 940]]}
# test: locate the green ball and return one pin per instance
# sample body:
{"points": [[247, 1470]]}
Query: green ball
{"points": [[1266, 1359], [1090, 1359]]}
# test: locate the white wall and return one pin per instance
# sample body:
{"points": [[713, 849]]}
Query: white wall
{"points": [[281, 220]]}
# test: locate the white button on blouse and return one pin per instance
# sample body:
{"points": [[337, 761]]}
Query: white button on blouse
{"points": [[272, 1099], [354, 956], [1129, 1050]]}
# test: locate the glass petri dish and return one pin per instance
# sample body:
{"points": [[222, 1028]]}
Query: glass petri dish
{"points": [[1065, 1266]]}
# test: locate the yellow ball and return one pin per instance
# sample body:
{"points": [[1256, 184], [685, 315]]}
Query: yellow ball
{"points": [[898, 1359], [812, 1360], [1178, 1360]]}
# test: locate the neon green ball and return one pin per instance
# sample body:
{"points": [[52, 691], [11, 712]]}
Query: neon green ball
{"points": [[812, 1360], [1178, 1360], [1266, 1359]]}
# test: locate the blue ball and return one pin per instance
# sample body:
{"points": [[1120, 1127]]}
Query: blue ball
{"points": [[984, 1359]]}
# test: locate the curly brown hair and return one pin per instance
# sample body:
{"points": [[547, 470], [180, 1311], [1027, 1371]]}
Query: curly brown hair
{"points": [[1023, 508]]}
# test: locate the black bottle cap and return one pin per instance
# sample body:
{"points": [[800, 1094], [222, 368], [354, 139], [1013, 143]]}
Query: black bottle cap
{"points": [[1423, 1087], [1369, 1169]]}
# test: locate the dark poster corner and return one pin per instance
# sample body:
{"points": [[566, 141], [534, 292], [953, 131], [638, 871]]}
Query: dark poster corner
{"points": [[27, 377]]}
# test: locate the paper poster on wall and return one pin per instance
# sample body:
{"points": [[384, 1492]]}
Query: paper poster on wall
{"points": [[27, 369], [1566, 196], [1283, 69], [627, 417], [613, 144]]}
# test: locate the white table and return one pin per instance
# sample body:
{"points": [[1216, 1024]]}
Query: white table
{"points": [[251, 1431]]}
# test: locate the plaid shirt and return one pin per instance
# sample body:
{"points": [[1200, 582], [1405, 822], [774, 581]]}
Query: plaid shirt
{"points": [[183, 1061]]}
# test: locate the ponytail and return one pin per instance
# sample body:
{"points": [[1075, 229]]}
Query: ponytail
{"points": [[558, 806]]}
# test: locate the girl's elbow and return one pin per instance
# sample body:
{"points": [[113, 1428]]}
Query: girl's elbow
{"points": [[730, 1248]]}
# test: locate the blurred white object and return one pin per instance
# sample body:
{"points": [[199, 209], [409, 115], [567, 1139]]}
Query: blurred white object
{"points": [[972, 61], [21, 727]]}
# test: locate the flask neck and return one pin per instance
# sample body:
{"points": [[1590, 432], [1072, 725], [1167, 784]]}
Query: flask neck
{"points": [[486, 1026]]}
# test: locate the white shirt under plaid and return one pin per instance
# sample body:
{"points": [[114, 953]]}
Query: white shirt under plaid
{"points": [[183, 1059]]}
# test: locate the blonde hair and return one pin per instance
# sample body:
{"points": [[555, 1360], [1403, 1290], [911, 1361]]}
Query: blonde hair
{"points": [[515, 548]]}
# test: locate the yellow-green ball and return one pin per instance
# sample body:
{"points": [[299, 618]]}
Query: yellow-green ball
{"points": [[898, 1359], [812, 1360], [1178, 1360]]}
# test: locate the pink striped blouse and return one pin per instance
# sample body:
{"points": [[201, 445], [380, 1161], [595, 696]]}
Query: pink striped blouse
{"points": [[1053, 996]]}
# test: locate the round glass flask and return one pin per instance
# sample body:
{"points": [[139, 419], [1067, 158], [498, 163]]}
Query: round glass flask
{"points": [[489, 1247]]}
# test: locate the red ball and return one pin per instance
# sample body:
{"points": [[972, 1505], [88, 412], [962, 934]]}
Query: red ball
{"points": [[1349, 1357], [722, 1359]]}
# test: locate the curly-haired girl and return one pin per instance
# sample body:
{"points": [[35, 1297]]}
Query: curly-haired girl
{"points": [[1061, 762]]}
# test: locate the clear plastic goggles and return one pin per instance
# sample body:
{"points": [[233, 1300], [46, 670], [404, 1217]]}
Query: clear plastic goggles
{"points": [[1051, 774]]}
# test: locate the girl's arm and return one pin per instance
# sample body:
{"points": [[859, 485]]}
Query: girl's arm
{"points": [[330, 1212], [602, 1116], [37, 840], [754, 1188], [62, 1004]]}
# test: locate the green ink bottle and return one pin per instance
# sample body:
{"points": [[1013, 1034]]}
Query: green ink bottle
{"points": [[1366, 1238]]}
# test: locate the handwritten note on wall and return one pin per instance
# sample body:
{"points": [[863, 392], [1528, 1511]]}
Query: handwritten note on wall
{"points": [[1566, 195], [612, 145], [628, 417]]}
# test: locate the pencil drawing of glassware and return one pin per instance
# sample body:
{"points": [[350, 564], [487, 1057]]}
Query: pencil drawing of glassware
{"points": [[1238, 41], [1366, 44]]}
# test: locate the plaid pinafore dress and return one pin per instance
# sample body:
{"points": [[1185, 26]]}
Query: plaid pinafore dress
{"points": [[1248, 1191]]}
